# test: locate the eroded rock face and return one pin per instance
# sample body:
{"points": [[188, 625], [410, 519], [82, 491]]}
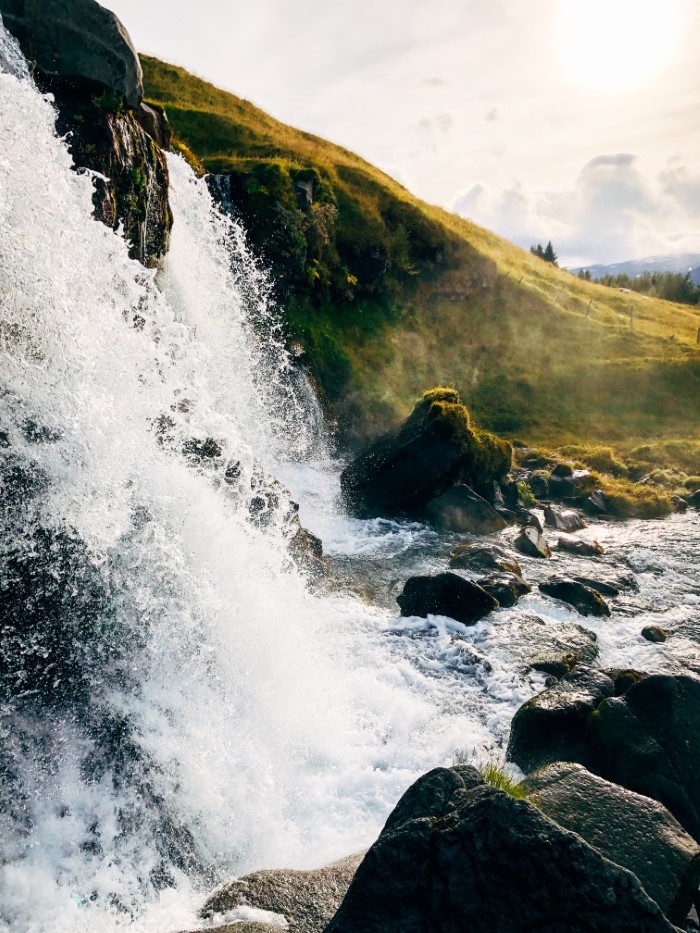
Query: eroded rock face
{"points": [[633, 831], [77, 40], [307, 899], [446, 594], [478, 860], [82, 55]]}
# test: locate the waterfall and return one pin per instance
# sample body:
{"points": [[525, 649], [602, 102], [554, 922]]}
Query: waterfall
{"points": [[175, 705]]}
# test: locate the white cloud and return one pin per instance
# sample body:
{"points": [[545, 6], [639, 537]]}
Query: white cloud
{"points": [[611, 212]]}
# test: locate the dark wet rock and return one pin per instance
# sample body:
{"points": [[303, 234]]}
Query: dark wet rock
{"points": [[584, 599], [77, 40], [566, 520], [433, 450], [680, 505], [694, 499], [533, 644], [307, 551], [644, 738], [570, 487], [154, 120], [561, 470], [461, 510], [647, 740], [539, 484], [203, 450], [624, 678], [579, 547], [554, 725], [526, 517], [486, 862], [654, 633], [610, 585], [597, 504], [532, 543], [506, 588], [307, 899], [635, 832], [446, 594], [510, 518], [433, 795], [479, 557]]}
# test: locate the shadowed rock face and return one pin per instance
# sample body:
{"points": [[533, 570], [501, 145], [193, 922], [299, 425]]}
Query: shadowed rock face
{"points": [[464, 856], [82, 55], [633, 831], [446, 594], [307, 899], [77, 40]]}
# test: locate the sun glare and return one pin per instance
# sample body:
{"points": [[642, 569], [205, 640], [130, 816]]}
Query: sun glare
{"points": [[617, 45]]}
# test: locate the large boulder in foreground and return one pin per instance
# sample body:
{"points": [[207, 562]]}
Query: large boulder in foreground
{"points": [[640, 732], [633, 831], [462, 511], [307, 899], [77, 40], [433, 450], [478, 860], [446, 594]]}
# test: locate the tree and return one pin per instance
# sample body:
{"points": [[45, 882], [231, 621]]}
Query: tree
{"points": [[549, 255], [537, 250]]}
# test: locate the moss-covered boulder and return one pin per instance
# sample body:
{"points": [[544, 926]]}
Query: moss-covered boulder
{"points": [[436, 448]]}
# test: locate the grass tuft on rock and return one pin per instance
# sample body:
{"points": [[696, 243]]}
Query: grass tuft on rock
{"points": [[497, 777]]}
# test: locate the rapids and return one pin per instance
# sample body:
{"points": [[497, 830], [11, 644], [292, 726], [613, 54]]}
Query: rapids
{"points": [[177, 705]]}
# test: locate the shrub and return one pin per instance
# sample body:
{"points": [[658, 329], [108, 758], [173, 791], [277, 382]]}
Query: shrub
{"points": [[497, 777]]}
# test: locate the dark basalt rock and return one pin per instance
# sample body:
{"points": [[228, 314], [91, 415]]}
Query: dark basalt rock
{"points": [[566, 520], [637, 731], [597, 504], [694, 499], [485, 862], [461, 510], [633, 831], [433, 450], [154, 120], [77, 40], [446, 594], [579, 547], [307, 899], [570, 487], [584, 599], [680, 505], [611, 586], [654, 633], [554, 725], [506, 588], [480, 557], [532, 543]]}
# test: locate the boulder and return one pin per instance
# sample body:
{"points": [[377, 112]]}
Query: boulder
{"points": [[584, 599], [527, 517], [446, 594], [506, 588], [570, 487], [554, 725], [694, 499], [539, 484], [77, 41], [654, 633], [680, 505], [598, 504], [479, 557], [562, 470], [433, 450], [154, 120], [566, 520], [579, 547], [481, 861], [461, 510], [532, 543], [533, 644], [307, 899], [638, 731], [610, 586], [633, 831]]}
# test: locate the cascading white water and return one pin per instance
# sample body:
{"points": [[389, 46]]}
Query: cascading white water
{"points": [[176, 706]]}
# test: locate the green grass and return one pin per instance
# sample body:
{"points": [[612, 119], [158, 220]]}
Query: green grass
{"points": [[389, 295], [495, 776]]}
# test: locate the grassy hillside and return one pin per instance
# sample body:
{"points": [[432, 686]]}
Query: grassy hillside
{"points": [[388, 295]]}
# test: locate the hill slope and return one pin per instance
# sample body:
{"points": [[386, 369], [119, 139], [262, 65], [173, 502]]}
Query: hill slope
{"points": [[388, 295]]}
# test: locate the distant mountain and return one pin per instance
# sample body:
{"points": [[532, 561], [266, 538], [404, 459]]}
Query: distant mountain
{"points": [[680, 262]]}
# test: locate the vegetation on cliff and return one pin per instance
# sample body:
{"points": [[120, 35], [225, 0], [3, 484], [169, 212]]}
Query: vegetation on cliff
{"points": [[386, 294]]}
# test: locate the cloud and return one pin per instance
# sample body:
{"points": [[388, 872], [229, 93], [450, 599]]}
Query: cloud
{"points": [[492, 115], [613, 211], [434, 82], [442, 122]]}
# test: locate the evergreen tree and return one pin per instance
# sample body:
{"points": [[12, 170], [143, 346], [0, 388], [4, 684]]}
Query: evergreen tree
{"points": [[549, 255], [537, 250]]}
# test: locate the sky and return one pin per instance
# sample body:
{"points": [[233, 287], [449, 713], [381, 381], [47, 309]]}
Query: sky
{"points": [[571, 120]]}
